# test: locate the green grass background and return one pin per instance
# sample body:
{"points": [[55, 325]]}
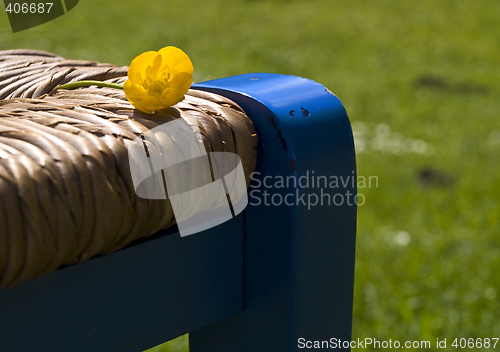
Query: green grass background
{"points": [[428, 253]]}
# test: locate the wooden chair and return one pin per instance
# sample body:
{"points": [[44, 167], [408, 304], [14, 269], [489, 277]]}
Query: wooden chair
{"points": [[272, 275]]}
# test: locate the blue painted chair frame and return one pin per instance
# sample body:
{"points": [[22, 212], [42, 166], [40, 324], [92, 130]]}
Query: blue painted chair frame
{"points": [[259, 282]]}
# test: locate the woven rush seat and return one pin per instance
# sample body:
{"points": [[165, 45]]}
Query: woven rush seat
{"points": [[66, 191]]}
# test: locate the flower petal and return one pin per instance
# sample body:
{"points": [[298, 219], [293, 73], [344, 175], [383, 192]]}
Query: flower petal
{"points": [[134, 91], [139, 65], [181, 82], [177, 59], [156, 65]]}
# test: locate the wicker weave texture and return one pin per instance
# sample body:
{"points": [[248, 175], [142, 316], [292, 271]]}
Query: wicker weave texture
{"points": [[66, 192]]}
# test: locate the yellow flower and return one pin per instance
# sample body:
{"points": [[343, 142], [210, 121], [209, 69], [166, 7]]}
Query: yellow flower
{"points": [[157, 80]]}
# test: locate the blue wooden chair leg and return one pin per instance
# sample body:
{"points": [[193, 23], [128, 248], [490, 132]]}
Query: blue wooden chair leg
{"points": [[299, 258]]}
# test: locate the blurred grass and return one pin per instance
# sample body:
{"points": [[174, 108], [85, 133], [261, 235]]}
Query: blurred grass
{"points": [[428, 253]]}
